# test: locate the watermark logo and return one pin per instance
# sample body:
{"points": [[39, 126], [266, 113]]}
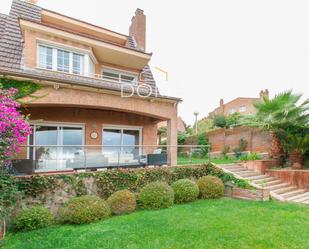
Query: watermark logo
{"points": [[141, 88]]}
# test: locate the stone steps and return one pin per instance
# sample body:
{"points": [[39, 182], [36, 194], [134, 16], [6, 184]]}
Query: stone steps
{"points": [[297, 197], [294, 193], [285, 190], [273, 182], [279, 190], [259, 178], [277, 186]]}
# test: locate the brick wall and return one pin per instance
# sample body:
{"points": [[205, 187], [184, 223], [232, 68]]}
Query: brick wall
{"points": [[258, 141]]}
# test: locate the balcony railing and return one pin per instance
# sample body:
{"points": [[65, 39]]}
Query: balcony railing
{"points": [[51, 158]]}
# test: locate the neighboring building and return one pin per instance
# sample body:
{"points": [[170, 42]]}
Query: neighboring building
{"points": [[241, 105], [181, 127], [83, 70]]}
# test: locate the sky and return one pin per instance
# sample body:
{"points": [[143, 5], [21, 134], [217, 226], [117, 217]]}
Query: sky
{"points": [[211, 49]]}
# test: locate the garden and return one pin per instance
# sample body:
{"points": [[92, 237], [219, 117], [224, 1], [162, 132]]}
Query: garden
{"points": [[284, 117], [161, 207], [220, 223]]}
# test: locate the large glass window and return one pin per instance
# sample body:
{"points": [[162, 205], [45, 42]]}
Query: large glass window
{"points": [[63, 61], [121, 145], [45, 57], [112, 139], [55, 146]]}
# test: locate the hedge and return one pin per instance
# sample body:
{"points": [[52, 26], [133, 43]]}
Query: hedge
{"points": [[110, 181]]}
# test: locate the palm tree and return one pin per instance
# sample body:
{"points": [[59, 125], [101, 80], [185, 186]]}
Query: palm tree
{"points": [[280, 114]]}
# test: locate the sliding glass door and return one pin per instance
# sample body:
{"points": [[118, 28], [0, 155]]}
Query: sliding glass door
{"points": [[55, 145], [121, 145]]}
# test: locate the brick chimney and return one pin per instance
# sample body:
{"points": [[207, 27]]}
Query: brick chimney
{"points": [[138, 29], [264, 93], [221, 102], [32, 1]]}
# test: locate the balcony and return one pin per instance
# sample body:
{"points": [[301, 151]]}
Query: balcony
{"points": [[52, 159]]}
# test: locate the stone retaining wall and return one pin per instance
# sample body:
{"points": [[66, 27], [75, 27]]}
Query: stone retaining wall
{"points": [[247, 194]]}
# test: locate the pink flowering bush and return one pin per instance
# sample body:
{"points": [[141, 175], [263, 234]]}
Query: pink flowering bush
{"points": [[14, 127]]}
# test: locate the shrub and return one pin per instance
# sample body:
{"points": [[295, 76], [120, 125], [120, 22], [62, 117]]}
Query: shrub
{"points": [[210, 187], [242, 146], [250, 157], [157, 195], [33, 218], [122, 202], [84, 209], [185, 191], [226, 149]]}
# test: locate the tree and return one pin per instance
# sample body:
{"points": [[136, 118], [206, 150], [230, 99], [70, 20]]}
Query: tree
{"points": [[219, 121], [282, 114], [14, 128]]}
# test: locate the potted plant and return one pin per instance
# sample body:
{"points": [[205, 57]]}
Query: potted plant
{"points": [[297, 145]]}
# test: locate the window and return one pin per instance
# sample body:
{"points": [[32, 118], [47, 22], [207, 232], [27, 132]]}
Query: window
{"points": [[242, 109], [63, 61], [232, 110], [122, 145], [45, 57], [78, 63], [118, 76], [54, 145]]}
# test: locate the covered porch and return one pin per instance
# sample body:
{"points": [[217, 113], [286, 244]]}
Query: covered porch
{"points": [[74, 130]]}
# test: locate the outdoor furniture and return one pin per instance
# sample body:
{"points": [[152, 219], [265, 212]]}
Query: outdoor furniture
{"points": [[23, 166]]}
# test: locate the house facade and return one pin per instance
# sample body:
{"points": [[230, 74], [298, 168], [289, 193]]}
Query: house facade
{"points": [[242, 105], [98, 103]]}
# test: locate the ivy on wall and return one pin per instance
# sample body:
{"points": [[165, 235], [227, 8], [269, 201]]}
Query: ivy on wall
{"points": [[39, 184], [110, 181], [25, 88]]}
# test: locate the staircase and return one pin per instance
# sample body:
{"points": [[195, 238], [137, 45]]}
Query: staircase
{"points": [[278, 189]]}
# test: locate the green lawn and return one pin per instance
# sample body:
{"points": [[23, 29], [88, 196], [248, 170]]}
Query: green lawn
{"points": [[207, 224], [187, 160]]}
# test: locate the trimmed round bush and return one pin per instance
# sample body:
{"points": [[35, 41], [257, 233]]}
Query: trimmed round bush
{"points": [[122, 202], [34, 218], [210, 187], [156, 195], [84, 209], [185, 191]]}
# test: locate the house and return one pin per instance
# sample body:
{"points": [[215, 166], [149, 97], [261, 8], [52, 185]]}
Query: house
{"points": [[181, 127], [98, 103], [242, 105]]}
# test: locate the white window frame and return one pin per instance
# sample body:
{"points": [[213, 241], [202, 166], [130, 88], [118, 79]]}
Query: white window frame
{"points": [[53, 124], [121, 128], [120, 73], [242, 109], [232, 110], [87, 54]]}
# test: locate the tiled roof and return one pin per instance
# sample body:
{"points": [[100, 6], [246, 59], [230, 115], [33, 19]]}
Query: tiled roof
{"points": [[11, 52], [11, 43], [2, 24]]}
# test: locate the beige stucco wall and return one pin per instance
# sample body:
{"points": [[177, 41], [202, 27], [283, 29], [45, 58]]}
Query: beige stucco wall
{"points": [[94, 108], [31, 39], [94, 120]]}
